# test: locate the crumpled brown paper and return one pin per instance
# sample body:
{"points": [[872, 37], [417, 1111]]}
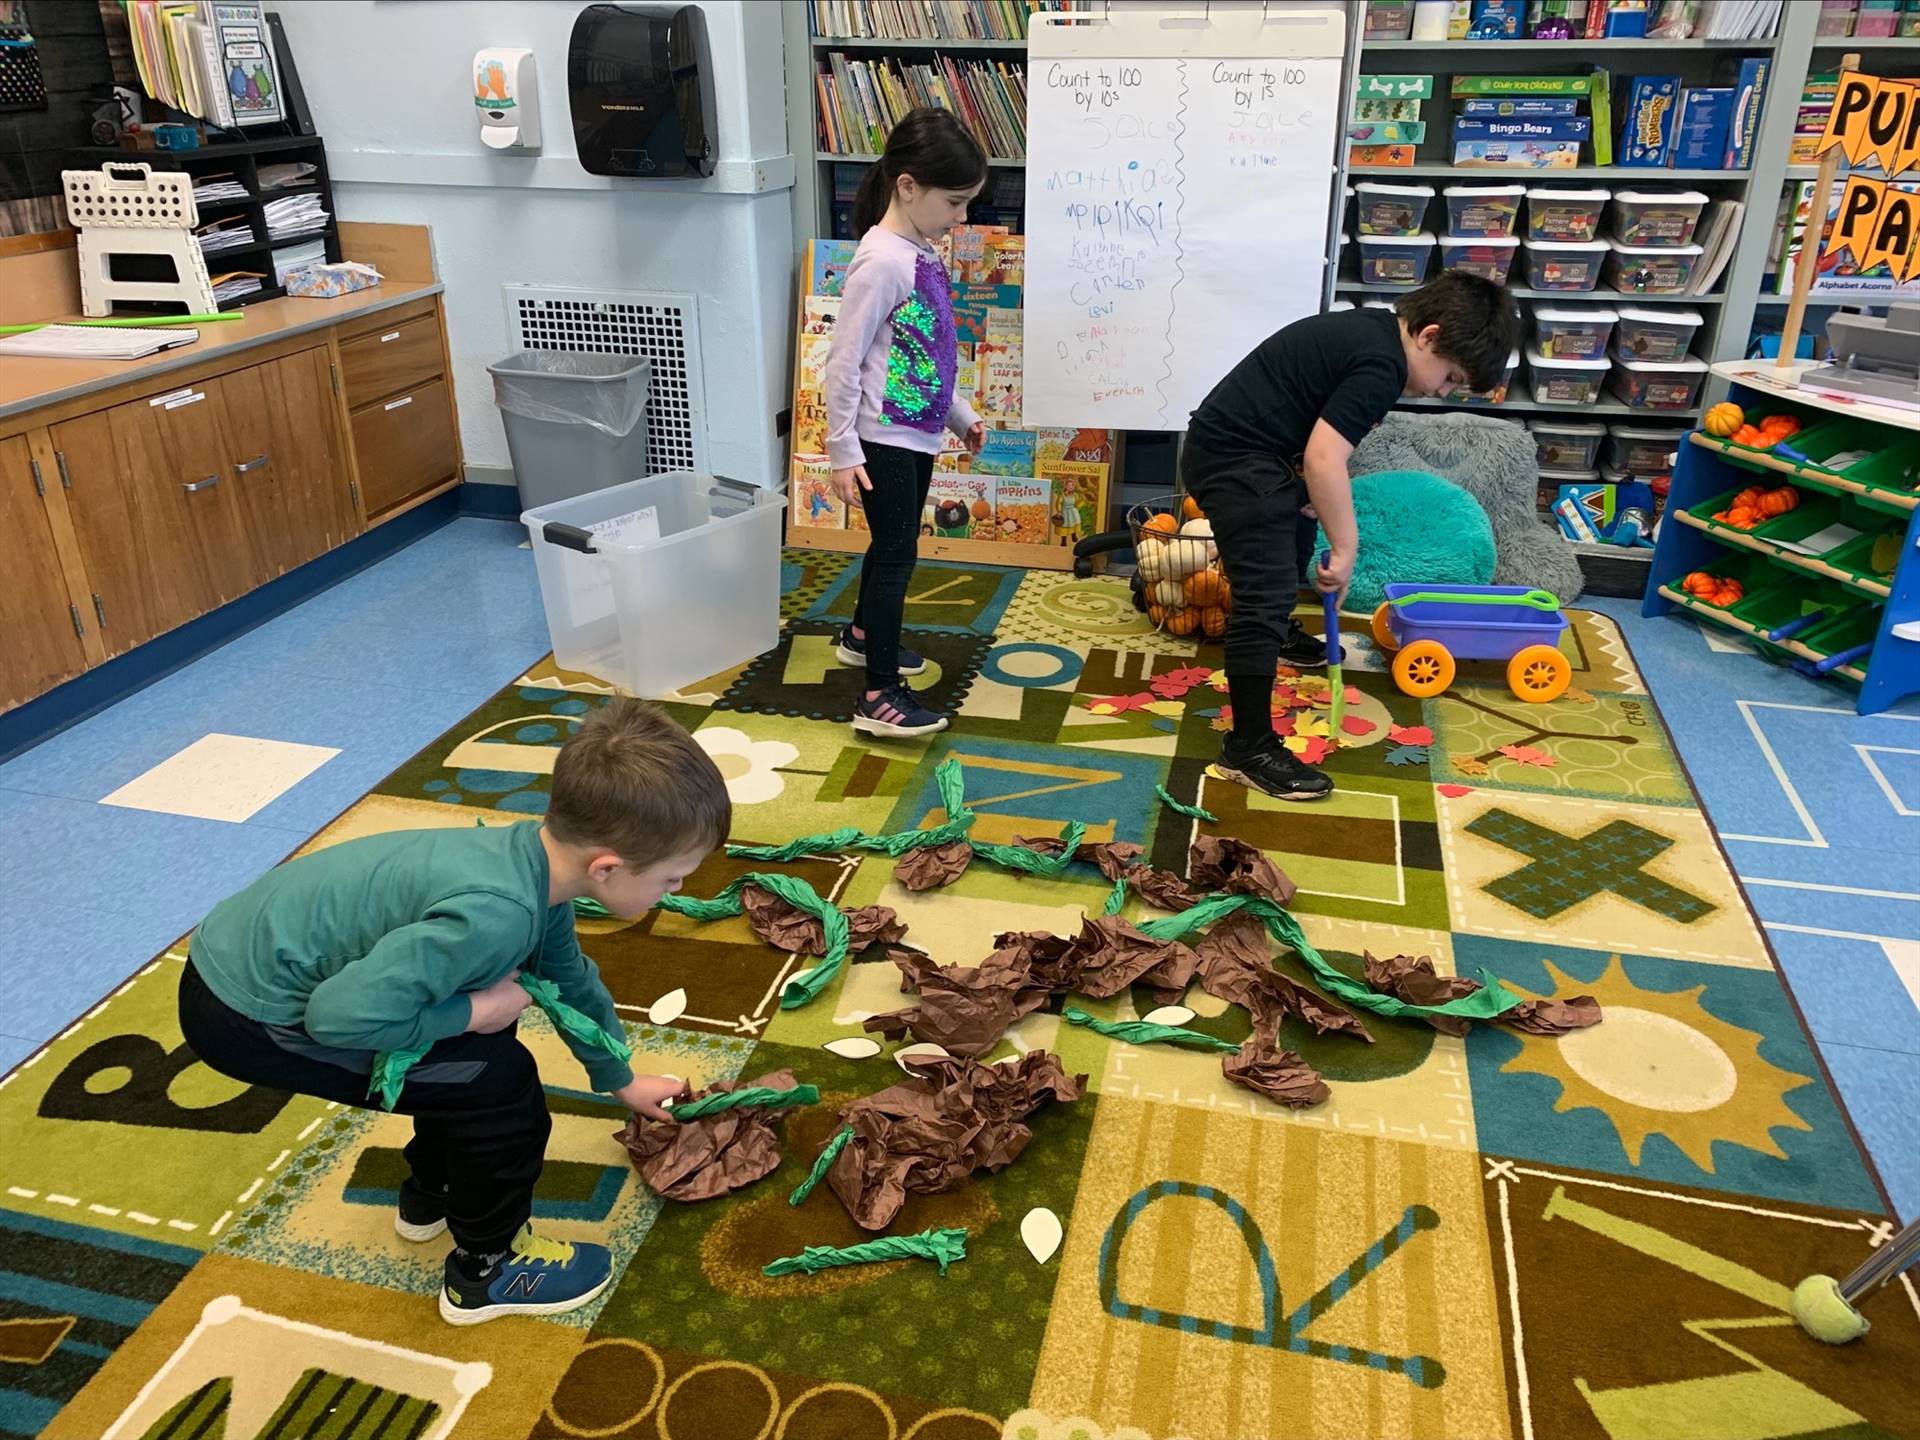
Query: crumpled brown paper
{"points": [[1552, 1017], [1415, 981], [699, 1159], [1050, 960], [964, 1009], [785, 927], [927, 1134], [1280, 1075], [1222, 863], [1234, 966], [1111, 955], [932, 866]]}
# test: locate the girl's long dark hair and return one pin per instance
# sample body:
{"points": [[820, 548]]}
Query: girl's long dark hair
{"points": [[931, 146]]}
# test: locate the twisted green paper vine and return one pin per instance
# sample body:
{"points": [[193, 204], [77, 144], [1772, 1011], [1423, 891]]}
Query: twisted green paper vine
{"points": [[822, 1165], [1192, 812], [1146, 1032], [797, 893], [941, 1246], [959, 821], [762, 1096]]}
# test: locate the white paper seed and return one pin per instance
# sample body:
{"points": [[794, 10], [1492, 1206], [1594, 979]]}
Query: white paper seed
{"points": [[668, 1008], [927, 1051], [853, 1047], [1169, 1015], [1042, 1233]]}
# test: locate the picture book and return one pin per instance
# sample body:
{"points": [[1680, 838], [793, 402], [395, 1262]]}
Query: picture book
{"points": [[828, 272], [971, 303], [963, 250], [816, 506], [1004, 325], [819, 313], [962, 506], [1077, 487], [1005, 452], [1023, 510], [1093, 447], [1001, 381]]}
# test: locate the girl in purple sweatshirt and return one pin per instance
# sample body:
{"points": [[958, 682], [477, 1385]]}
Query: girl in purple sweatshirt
{"points": [[890, 395]]}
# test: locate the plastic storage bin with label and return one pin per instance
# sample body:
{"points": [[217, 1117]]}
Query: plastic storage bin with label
{"points": [[1566, 382], [1382, 208], [1566, 444], [1644, 450], [1484, 210], [1663, 334], [1651, 269], [1566, 332], [1495, 396], [1657, 384], [1557, 213], [1395, 259], [1488, 256], [1652, 219], [621, 570], [1565, 264]]}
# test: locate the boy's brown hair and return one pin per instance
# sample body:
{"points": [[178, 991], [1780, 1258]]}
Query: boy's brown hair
{"points": [[1479, 323], [632, 780]]}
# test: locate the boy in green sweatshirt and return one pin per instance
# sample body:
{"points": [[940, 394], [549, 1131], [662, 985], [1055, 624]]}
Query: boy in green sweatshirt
{"points": [[417, 939]]}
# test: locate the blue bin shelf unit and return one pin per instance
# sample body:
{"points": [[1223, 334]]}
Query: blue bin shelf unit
{"points": [[1816, 597]]}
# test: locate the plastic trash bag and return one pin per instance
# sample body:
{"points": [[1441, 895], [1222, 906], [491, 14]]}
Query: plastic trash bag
{"points": [[608, 392]]}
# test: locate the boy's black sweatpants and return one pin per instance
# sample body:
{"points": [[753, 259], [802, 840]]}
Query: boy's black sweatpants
{"points": [[480, 1121], [1266, 546]]}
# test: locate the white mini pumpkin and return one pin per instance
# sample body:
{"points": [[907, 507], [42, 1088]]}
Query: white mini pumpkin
{"points": [[1186, 556], [1170, 593], [1150, 558]]}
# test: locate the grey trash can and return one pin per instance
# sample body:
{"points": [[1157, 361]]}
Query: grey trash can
{"points": [[576, 421]]}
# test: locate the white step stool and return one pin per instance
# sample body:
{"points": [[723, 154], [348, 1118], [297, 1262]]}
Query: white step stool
{"points": [[127, 209]]}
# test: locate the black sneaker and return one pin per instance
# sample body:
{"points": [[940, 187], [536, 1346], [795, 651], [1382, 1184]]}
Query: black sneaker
{"points": [[536, 1277], [1272, 769], [852, 650], [422, 1215], [1303, 651], [896, 713]]}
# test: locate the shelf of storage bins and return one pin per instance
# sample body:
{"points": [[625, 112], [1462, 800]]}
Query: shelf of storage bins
{"points": [[1514, 402], [1839, 45], [835, 157], [1521, 47], [1472, 175], [1570, 297], [1708, 469]]}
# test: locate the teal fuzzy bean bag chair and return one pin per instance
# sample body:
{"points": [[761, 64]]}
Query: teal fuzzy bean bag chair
{"points": [[1415, 529]]}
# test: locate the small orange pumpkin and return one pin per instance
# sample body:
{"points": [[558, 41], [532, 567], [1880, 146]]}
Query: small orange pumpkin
{"points": [[1157, 614], [1213, 620], [1723, 419], [1203, 588], [1162, 524], [1183, 622], [1190, 509]]}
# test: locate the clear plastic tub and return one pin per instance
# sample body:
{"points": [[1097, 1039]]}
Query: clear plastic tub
{"points": [[1485, 210], [1566, 382], [1565, 264], [1395, 259], [1559, 213], [1495, 396], [1651, 269], [576, 420], [1566, 444], [1566, 332], [1663, 334], [1657, 384], [1383, 208], [1488, 256], [1656, 218], [1643, 450], [621, 570]]}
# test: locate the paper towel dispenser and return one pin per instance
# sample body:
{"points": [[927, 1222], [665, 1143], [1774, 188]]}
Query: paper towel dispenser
{"points": [[640, 84]]}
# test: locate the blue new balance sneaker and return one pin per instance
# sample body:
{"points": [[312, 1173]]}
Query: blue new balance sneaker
{"points": [[852, 650], [537, 1276]]}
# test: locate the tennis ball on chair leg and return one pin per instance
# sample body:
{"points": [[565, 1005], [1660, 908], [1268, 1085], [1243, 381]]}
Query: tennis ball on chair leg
{"points": [[1823, 1314]]}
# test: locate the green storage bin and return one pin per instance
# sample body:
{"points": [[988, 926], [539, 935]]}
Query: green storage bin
{"points": [[1753, 571], [1856, 556], [1755, 415], [1845, 631], [1892, 463], [1814, 513], [1779, 604]]}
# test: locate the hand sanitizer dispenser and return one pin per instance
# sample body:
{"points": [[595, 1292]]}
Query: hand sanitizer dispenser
{"points": [[507, 99]]}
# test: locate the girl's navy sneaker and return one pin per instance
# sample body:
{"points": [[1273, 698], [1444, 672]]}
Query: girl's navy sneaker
{"points": [[853, 651], [896, 713]]}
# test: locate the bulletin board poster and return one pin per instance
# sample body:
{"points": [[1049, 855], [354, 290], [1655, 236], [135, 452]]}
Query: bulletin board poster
{"points": [[1180, 166]]}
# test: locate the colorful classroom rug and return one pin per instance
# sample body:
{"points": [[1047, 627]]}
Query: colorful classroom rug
{"points": [[1499, 1237]]}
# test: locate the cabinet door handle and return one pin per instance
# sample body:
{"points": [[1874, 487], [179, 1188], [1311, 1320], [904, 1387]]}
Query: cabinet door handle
{"points": [[396, 404], [390, 335], [199, 485], [254, 464]]}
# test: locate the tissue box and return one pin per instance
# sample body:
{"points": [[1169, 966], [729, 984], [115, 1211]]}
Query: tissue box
{"points": [[322, 282]]}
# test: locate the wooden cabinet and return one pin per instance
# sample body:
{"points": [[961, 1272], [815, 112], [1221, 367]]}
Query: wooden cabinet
{"points": [[405, 445], [38, 617], [162, 499]]}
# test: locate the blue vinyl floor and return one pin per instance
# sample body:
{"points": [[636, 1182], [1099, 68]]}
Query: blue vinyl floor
{"points": [[1819, 808]]}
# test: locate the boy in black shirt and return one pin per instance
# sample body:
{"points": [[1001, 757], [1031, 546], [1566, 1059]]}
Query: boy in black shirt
{"points": [[1291, 412]]}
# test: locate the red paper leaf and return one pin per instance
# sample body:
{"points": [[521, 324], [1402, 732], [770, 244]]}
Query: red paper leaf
{"points": [[1283, 724], [1315, 751], [1168, 688], [1454, 792], [1120, 704], [1356, 725], [1411, 735], [1528, 755], [1189, 675], [1353, 695]]}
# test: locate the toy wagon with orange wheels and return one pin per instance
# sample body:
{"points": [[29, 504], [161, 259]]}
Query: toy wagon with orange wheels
{"points": [[1427, 629]]}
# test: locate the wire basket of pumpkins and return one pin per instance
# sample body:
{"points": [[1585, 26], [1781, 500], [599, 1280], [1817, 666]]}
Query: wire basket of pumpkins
{"points": [[1177, 567]]}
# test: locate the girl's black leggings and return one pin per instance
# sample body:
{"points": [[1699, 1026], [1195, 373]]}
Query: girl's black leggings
{"points": [[894, 506]]}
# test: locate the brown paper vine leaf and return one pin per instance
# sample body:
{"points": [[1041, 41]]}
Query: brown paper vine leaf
{"points": [[932, 866], [1468, 765], [1415, 981], [699, 1159], [1280, 1075], [1220, 862]]}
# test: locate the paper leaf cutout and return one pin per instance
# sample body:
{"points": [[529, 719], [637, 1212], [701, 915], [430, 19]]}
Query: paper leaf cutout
{"points": [[1574, 695], [925, 1050], [668, 1008], [853, 1047], [1168, 1015], [1356, 725], [1223, 722], [1312, 725], [1353, 696], [1192, 675], [1041, 1232], [1528, 755], [1283, 724], [1407, 755], [1313, 750], [1411, 735], [1454, 792], [1467, 765], [1120, 704]]}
